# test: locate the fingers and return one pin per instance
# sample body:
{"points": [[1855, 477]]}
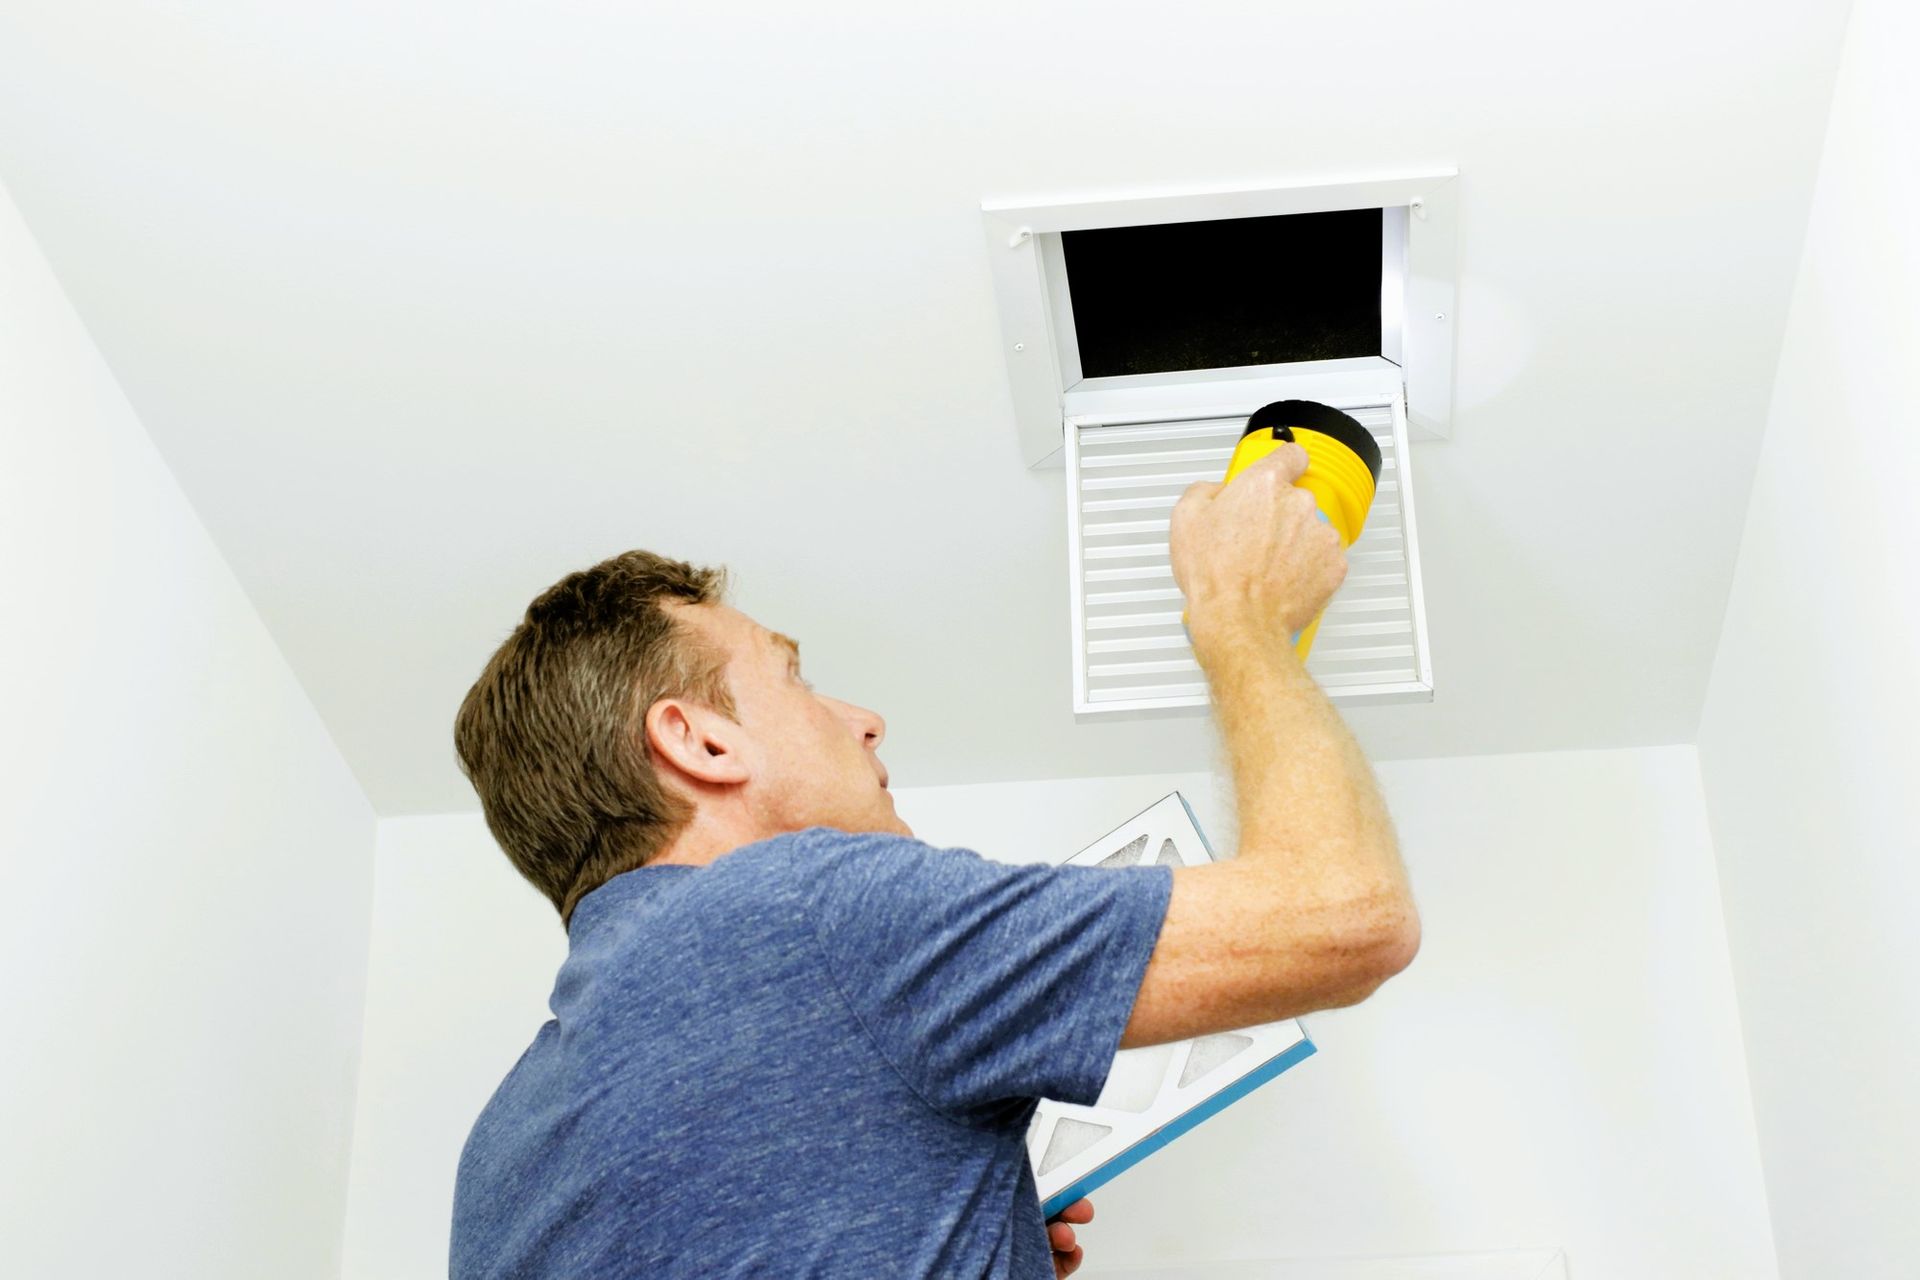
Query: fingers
{"points": [[1079, 1211], [1067, 1254]]}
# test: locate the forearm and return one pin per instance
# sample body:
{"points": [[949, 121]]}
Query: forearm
{"points": [[1307, 800]]}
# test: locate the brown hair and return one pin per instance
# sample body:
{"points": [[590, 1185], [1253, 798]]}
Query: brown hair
{"points": [[552, 733]]}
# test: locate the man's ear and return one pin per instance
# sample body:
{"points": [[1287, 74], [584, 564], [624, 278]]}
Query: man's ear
{"points": [[696, 740]]}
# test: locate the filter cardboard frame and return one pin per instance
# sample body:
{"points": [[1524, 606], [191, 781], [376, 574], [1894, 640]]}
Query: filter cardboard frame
{"points": [[1139, 1112]]}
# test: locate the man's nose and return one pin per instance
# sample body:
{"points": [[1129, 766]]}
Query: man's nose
{"points": [[872, 728], [867, 725]]}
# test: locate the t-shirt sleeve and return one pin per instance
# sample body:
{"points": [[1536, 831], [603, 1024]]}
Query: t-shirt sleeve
{"points": [[984, 983]]}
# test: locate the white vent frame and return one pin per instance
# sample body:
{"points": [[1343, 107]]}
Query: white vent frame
{"points": [[1419, 268], [1358, 656]]}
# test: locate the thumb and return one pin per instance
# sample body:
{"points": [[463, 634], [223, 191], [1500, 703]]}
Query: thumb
{"points": [[1289, 460]]}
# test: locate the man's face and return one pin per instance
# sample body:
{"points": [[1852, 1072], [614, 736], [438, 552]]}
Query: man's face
{"points": [[813, 759]]}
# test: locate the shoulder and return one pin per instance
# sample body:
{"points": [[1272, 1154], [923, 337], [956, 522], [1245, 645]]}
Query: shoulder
{"points": [[899, 887], [871, 877], [807, 862], [839, 863], [816, 849]]}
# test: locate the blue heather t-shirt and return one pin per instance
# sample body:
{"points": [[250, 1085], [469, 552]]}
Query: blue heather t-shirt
{"points": [[816, 1056]]}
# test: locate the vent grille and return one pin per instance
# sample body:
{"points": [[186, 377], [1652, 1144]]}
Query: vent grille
{"points": [[1130, 651]]}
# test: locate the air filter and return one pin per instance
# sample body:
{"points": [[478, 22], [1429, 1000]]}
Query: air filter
{"points": [[1153, 1094]]}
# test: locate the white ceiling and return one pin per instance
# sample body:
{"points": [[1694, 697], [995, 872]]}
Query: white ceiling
{"points": [[428, 304]]}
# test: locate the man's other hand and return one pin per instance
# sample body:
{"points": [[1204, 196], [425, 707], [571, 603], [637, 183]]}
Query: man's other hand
{"points": [[1067, 1256]]}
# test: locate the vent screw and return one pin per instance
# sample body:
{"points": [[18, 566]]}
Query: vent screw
{"points": [[1439, 315], [1019, 346]]}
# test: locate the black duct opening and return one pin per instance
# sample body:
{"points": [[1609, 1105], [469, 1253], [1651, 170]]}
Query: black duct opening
{"points": [[1234, 291]]}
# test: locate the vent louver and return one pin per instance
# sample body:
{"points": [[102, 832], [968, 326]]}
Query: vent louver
{"points": [[1130, 651]]}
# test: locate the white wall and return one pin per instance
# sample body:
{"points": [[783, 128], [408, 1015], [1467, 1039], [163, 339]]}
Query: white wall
{"points": [[1811, 732], [187, 858], [1560, 1067]]}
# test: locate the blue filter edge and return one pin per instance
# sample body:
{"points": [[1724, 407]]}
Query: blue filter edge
{"points": [[1178, 1125]]}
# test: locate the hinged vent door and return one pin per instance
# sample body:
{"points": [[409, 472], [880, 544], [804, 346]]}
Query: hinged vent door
{"points": [[1129, 649]]}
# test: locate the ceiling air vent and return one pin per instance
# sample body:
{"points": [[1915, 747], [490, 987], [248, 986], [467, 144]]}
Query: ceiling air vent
{"points": [[1141, 331], [1130, 651], [1187, 298]]}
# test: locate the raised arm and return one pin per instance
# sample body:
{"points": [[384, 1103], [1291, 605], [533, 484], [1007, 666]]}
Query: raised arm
{"points": [[1314, 911]]}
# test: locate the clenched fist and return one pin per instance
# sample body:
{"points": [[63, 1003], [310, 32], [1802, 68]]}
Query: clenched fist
{"points": [[1256, 552]]}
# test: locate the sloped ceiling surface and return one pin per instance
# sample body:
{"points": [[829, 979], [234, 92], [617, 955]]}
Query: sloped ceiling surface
{"points": [[428, 304]]}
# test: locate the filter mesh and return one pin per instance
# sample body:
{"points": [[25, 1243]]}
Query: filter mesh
{"points": [[1070, 1138], [1127, 856], [1211, 1053], [1134, 1080]]}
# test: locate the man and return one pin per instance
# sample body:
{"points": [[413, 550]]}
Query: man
{"points": [[791, 1039]]}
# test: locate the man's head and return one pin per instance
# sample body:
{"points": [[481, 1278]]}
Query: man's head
{"points": [[634, 717]]}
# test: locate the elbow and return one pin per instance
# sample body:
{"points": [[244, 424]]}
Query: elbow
{"points": [[1386, 948], [1398, 939]]}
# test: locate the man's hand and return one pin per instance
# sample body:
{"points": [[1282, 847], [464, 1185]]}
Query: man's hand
{"points": [[1067, 1256]]}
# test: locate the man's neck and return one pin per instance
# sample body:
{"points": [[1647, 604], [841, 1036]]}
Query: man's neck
{"points": [[710, 836]]}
